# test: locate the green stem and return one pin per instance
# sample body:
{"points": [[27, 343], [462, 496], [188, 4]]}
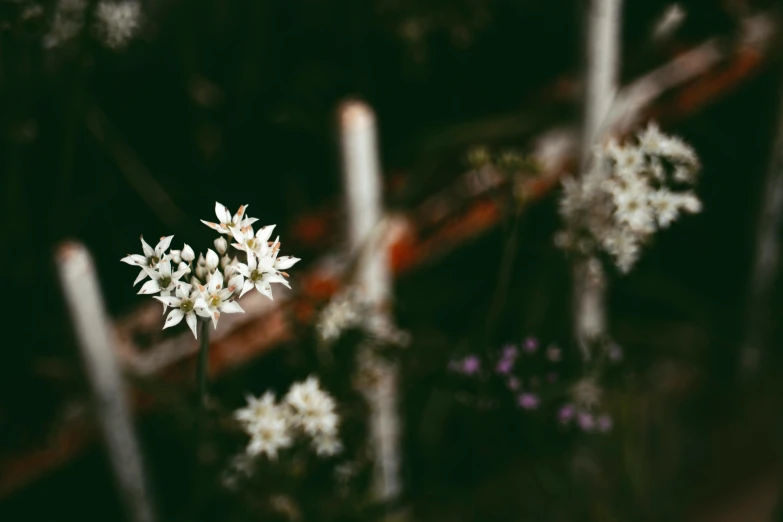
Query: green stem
{"points": [[203, 363]]}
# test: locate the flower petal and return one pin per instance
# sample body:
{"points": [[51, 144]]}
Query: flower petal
{"points": [[141, 277], [220, 212], [163, 245], [174, 318], [148, 251], [246, 287], [265, 289], [286, 262], [164, 268], [134, 260], [168, 300], [265, 233], [150, 287], [213, 226], [215, 317], [190, 318], [231, 307]]}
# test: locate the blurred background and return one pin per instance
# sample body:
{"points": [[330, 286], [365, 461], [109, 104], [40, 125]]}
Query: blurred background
{"points": [[109, 134]]}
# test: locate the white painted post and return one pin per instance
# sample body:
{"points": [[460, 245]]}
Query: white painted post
{"points": [[363, 197], [601, 78], [91, 327]]}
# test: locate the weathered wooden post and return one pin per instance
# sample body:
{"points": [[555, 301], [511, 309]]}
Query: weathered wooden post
{"points": [[91, 327]]}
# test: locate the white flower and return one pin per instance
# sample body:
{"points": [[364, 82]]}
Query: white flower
{"points": [[68, 21], [151, 256], [227, 221], [624, 198], [185, 304], [162, 279], [117, 22], [327, 445], [651, 140], [345, 310], [255, 242], [258, 409], [313, 408], [261, 272], [269, 437], [217, 299]]}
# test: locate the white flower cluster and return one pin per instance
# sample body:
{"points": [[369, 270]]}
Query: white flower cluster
{"points": [[349, 309], [216, 280], [117, 22], [345, 311], [67, 22], [306, 411], [631, 191]]}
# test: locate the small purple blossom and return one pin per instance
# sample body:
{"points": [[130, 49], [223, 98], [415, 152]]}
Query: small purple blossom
{"points": [[553, 353], [504, 366], [513, 383], [510, 352], [530, 345], [471, 365], [528, 401], [605, 424], [585, 421], [566, 413]]}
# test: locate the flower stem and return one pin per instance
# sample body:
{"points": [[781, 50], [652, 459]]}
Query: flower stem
{"points": [[203, 363]]}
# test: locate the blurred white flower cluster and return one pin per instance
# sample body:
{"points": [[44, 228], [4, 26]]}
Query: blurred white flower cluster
{"points": [[116, 22], [632, 190], [307, 411], [349, 309], [211, 284]]}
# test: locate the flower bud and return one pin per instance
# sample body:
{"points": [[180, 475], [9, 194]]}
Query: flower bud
{"points": [[236, 281], [187, 254], [224, 261], [175, 257], [201, 272], [221, 245], [212, 260]]}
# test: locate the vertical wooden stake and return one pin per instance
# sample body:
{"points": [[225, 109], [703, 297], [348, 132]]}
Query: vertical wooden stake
{"points": [[363, 198], [601, 77], [91, 327]]}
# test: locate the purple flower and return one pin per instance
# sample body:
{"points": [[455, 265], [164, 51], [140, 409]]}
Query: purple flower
{"points": [[528, 401], [585, 421], [471, 365], [615, 353], [554, 353], [566, 413], [513, 383], [510, 352], [504, 366], [605, 424], [530, 345]]}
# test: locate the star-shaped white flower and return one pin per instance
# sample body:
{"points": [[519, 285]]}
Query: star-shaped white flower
{"points": [[249, 241], [227, 221], [151, 256], [185, 304], [163, 280], [217, 299], [260, 272]]}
